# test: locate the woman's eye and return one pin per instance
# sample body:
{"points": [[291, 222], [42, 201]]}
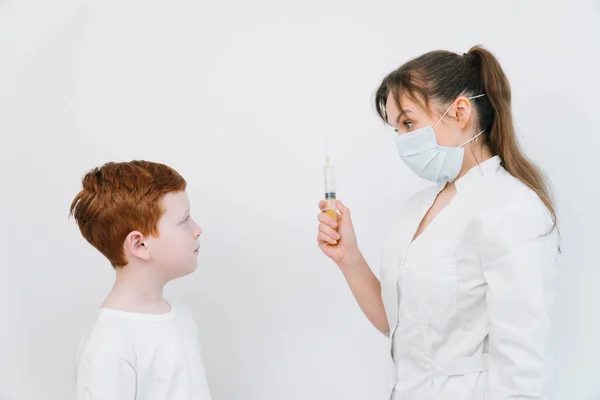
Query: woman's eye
{"points": [[407, 124], [186, 219]]}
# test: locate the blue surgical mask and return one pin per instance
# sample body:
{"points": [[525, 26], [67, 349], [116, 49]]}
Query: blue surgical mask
{"points": [[422, 153]]}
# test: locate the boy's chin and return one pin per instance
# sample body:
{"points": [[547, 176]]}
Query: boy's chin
{"points": [[183, 271], [193, 268], [179, 272]]}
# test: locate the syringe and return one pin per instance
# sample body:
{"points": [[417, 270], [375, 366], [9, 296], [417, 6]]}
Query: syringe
{"points": [[330, 206]]}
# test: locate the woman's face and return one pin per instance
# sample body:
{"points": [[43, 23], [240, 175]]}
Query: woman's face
{"points": [[454, 129]]}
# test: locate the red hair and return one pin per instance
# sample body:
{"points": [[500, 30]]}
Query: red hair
{"points": [[118, 198]]}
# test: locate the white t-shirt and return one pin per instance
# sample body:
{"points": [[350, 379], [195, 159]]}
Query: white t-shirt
{"points": [[131, 356]]}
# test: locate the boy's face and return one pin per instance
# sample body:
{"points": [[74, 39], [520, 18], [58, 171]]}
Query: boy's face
{"points": [[174, 252]]}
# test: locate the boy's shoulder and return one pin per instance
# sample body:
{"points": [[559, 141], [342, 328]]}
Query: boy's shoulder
{"points": [[110, 334], [122, 333]]}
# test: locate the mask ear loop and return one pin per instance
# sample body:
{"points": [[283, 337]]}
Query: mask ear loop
{"points": [[470, 140], [440, 120], [479, 134], [449, 108], [473, 138], [476, 97]]}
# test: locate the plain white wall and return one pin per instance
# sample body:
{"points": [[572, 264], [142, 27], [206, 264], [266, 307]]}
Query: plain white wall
{"points": [[238, 97]]}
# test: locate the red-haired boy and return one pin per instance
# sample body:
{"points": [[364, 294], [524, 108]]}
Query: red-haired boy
{"points": [[137, 214]]}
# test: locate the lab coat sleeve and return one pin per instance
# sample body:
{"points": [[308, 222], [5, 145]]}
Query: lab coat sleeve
{"points": [[105, 376], [519, 259]]}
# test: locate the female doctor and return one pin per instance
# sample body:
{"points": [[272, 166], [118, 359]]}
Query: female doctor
{"points": [[467, 270]]}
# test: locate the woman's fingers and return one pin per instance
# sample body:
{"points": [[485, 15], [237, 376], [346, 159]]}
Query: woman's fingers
{"points": [[327, 220], [329, 231], [324, 238], [322, 205]]}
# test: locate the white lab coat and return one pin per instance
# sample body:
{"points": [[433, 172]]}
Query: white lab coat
{"points": [[468, 300]]}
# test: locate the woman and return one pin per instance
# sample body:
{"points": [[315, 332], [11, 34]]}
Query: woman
{"points": [[467, 270]]}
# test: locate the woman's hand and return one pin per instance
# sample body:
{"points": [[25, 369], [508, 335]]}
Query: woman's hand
{"points": [[337, 240]]}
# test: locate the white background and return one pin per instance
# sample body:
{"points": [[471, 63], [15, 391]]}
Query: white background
{"points": [[238, 97]]}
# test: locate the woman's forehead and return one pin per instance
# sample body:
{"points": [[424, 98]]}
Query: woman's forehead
{"points": [[406, 105]]}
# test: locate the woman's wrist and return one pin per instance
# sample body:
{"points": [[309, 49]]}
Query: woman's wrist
{"points": [[352, 260]]}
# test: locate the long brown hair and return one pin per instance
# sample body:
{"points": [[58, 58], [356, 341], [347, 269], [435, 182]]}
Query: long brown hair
{"points": [[443, 76]]}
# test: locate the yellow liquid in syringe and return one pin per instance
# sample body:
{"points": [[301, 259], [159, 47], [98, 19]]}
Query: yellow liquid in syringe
{"points": [[330, 209]]}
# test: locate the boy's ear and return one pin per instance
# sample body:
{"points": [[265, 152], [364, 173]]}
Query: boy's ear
{"points": [[134, 245]]}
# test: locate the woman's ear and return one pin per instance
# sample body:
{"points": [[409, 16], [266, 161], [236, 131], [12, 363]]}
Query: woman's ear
{"points": [[462, 111]]}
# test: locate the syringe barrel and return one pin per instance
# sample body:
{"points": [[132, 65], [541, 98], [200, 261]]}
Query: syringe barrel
{"points": [[330, 187]]}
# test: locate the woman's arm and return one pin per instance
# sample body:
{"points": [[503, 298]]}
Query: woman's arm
{"points": [[338, 241], [366, 290]]}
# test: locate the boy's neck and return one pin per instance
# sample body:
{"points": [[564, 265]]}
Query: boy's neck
{"points": [[138, 290]]}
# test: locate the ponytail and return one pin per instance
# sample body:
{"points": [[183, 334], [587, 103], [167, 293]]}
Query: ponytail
{"points": [[501, 133]]}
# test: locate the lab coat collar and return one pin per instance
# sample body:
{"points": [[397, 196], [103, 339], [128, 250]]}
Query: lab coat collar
{"points": [[474, 175]]}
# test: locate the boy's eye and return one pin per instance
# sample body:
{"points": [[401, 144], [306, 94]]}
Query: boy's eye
{"points": [[186, 219]]}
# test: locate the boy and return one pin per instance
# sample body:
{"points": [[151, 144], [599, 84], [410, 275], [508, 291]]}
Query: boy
{"points": [[137, 215]]}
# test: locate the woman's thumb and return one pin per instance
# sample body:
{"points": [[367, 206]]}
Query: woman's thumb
{"points": [[345, 211]]}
